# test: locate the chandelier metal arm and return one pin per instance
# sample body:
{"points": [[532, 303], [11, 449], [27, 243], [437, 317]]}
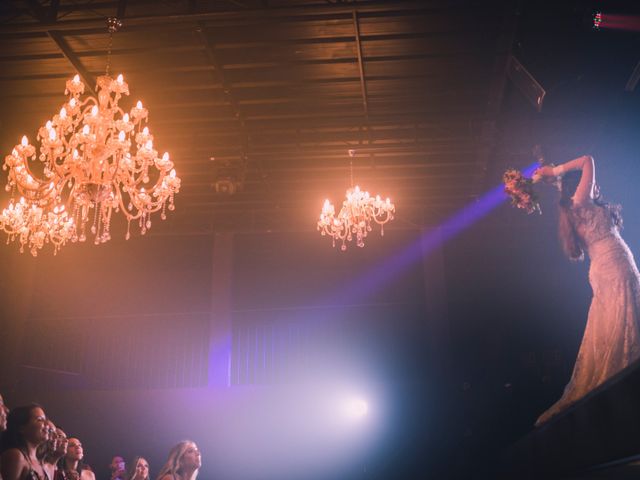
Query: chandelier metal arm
{"points": [[22, 178], [129, 216]]}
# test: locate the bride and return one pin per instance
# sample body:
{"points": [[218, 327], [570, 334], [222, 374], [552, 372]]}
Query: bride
{"points": [[588, 225]]}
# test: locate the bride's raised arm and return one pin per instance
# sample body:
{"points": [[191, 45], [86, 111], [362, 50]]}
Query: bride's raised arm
{"points": [[585, 190]]}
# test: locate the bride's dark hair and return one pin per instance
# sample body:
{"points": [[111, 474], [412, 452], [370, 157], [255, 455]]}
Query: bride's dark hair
{"points": [[569, 240]]}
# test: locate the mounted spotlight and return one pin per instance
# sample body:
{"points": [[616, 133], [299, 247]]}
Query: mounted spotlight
{"points": [[229, 176], [225, 186]]}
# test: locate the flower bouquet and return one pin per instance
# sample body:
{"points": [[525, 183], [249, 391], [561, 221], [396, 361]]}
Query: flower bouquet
{"points": [[520, 189]]}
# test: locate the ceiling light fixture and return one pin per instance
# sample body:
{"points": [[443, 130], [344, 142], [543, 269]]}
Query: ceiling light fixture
{"points": [[93, 159], [358, 211]]}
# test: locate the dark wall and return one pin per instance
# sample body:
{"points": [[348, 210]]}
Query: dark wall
{"points": [[124, 314]]}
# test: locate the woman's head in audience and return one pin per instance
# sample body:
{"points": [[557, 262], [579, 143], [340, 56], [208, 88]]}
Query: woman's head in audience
{"points": [[139, 469], [48, 448], [61, 444], [117, 467], [184, 459], [75, 452], [26, 426], [4, 411]]}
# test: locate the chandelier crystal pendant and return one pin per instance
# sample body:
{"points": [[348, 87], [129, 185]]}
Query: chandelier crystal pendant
{"points": [[358, 212], [93, 159]]}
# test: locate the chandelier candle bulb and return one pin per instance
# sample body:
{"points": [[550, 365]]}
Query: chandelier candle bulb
{"points": [[139, 112], [74, 86]]}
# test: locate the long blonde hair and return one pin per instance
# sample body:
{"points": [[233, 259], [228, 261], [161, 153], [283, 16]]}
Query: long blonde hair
{"points": [[133, 467], [172, 466]]}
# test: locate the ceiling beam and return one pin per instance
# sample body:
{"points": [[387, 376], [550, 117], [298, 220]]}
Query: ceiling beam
{"points": [[246, 15], [62, 44], [363, 83], [496, 93], [122, 7], [53, 10], [42, 14], [227, 86], [36, 10]]}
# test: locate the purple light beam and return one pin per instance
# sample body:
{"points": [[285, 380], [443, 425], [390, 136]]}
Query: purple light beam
{"points": [[378, 275]]}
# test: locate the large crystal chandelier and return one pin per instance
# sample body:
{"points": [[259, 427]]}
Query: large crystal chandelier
{"points": [[358, 211], [93, 159]]}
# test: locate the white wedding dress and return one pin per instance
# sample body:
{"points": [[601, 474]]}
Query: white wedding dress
{"points": [[611, 339]]}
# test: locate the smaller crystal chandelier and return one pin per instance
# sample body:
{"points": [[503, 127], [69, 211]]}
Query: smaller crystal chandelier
{"points": [[94, 159], [355, 216]]}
